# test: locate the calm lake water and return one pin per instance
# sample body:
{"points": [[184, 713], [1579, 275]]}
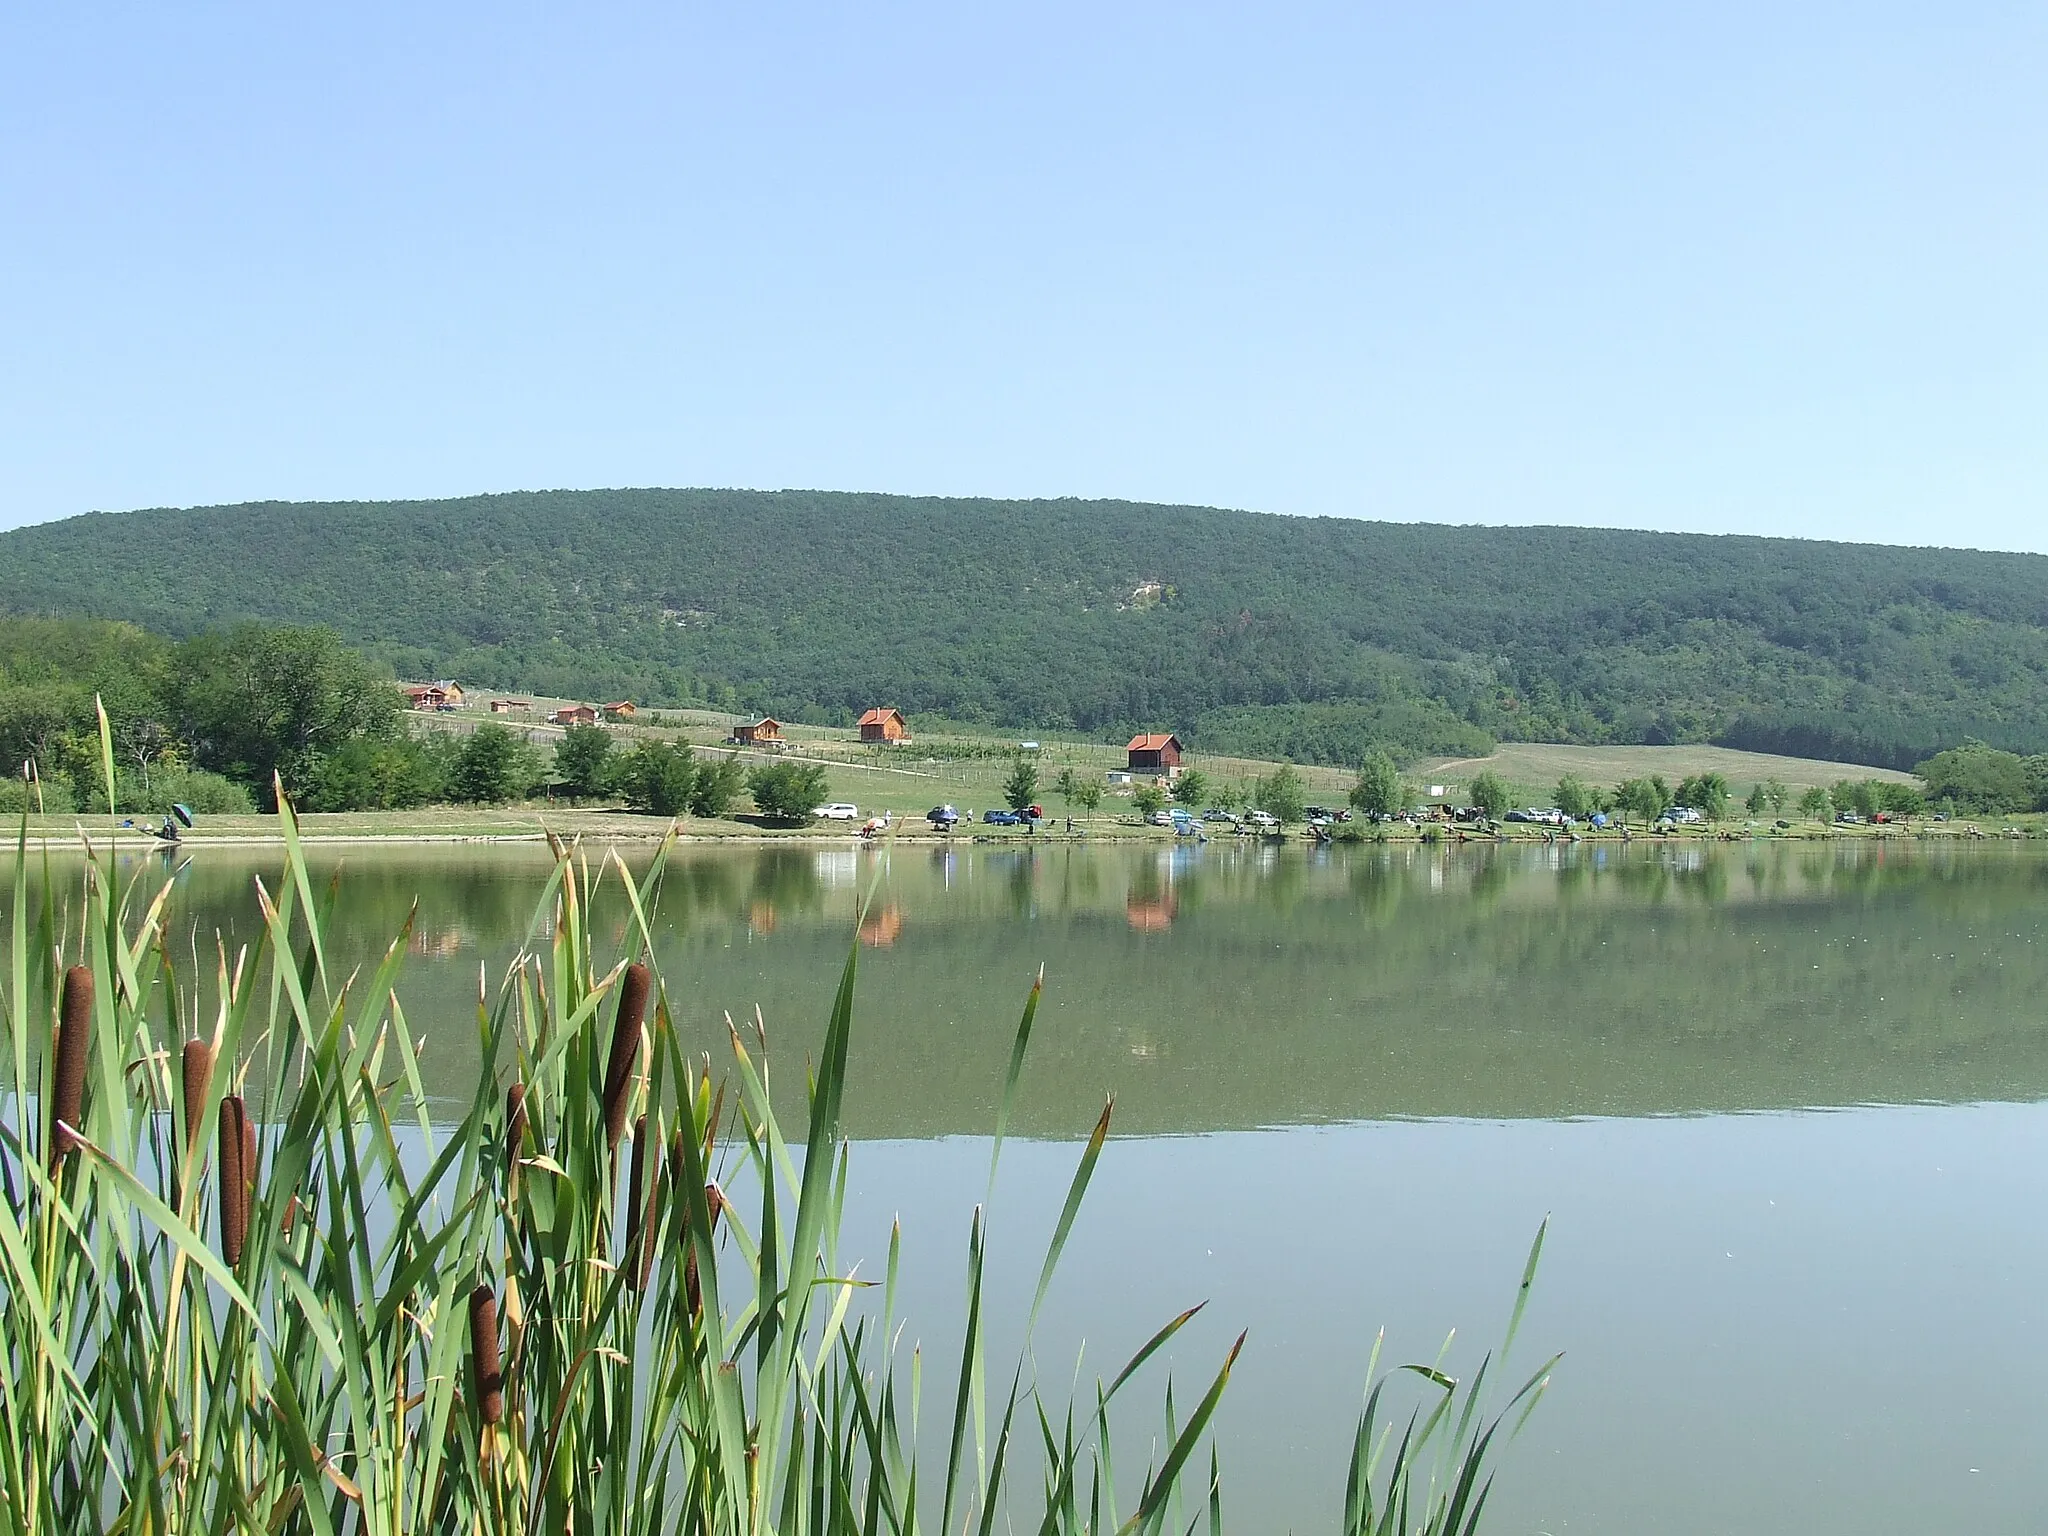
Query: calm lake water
{"points": [[1782, 1105]]}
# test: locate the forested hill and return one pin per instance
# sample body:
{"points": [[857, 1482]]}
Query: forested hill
{"points": [[1294, 636]]}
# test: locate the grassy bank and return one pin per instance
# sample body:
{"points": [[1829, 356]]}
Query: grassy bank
{"points": [[247, 1285]]}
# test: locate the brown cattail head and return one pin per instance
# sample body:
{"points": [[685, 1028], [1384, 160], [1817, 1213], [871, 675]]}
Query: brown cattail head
{"points": [[236, 1134], [650, 1213], [636, 1186], [693, 1294], [74, 1037], [486, 1373], [618, 1072], [515, 1128], [198, 1079]]}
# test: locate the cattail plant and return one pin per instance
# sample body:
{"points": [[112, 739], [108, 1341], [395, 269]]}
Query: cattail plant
{"points": [[311, 1382], [487, 1377], [236, 1165], [643, 1205], [196, 1060], [515, 1134], [618, 1073], [198, 1079], [67, 1088]]}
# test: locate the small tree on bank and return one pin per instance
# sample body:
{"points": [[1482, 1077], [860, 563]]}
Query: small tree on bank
{"points": [[1280, 795], [1068, 787], [1575, 797], [1021, 787], [787, 791], [1149, 799], [1191, 788], [1088, 795], [1706, 793], [1644, 799], [717, 785], [656, 777], [581, 760], [494, 766], [1491, 794], [1378, 790]]}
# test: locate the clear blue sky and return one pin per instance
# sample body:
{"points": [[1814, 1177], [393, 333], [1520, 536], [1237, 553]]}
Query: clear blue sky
{"points": [[1729, 268]]}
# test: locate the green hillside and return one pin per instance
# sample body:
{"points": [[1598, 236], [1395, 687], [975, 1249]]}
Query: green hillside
{"points": [[1275, 636]]}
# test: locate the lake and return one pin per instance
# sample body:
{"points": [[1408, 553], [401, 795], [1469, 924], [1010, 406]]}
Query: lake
{"points": [[1782, 1104]]}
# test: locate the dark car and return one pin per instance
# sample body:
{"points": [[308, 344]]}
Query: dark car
{"points": [[1002, 819], [1519, 816], [942, 817]]}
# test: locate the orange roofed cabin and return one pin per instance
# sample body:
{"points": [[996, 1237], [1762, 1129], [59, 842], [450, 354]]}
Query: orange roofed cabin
{"points": [[758, 732], [1154, 753], [884, 725]]}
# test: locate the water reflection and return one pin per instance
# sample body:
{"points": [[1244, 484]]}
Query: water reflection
{"points": [[1281, 985]]}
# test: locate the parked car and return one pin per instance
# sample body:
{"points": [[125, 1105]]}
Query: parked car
{"points": [[1520, 815], [1216, 814], [1002, 819], [1160, 819], [1264, 819], [838, 810], [942, 817]]}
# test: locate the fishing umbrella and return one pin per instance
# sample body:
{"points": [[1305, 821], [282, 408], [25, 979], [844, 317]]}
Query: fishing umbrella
{"points": [[183, 813]]}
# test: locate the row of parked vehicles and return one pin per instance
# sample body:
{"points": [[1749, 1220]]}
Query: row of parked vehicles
{"points": [[946, 817]]}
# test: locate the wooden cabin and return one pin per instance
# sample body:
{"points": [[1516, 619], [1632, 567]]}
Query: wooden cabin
{"points": [[1155, 753], [884, 725], [511, 706], [623, 710], [574, 714], [764, 732], [428, 696]]}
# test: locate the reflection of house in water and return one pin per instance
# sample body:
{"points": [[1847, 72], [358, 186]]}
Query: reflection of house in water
{"points": [[437, 945], [761, 918], [1153, 898], [1151, 914], [882, 929]]}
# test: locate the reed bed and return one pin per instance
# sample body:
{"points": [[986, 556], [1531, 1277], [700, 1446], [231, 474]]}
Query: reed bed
{"points": [[247, 1285]]}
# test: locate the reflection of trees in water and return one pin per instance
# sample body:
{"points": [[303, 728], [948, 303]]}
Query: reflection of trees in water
{"points": [[1377, 887], [1018, 869], [1767, 975], [1489, 877], [787, 879]]}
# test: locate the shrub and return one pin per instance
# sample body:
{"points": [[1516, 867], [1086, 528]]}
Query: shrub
{"points": [[1378, 790], [390, 773], [51, 796], [1491, 793], [493, 766], [788, 791], [656, 777]]}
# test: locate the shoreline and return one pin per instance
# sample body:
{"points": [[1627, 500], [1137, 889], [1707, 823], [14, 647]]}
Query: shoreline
{"points": [[77, 837]]}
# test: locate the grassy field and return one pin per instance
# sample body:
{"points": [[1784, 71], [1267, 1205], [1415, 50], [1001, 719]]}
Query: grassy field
{"points": [[967, 768], [1540, 764]]}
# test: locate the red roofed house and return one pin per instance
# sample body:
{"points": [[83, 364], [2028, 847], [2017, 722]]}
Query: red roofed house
{"points": [[762, 732], [625, 709], [1157, 753], [574, 714], [429, 696], [884, 725]]}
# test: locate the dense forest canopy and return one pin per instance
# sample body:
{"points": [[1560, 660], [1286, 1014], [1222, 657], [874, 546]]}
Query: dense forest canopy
{"points": [[1310, 638]]}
